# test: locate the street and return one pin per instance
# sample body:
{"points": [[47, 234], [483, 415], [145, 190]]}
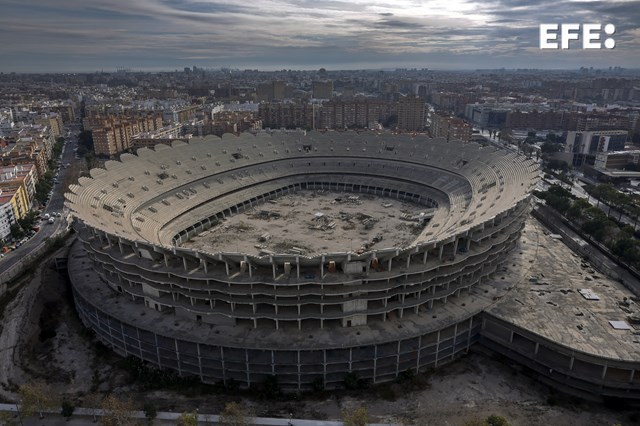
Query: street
{"points": [[55, 204]]}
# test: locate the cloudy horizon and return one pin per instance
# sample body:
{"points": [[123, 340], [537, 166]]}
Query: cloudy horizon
{"points": [[75, 35]]}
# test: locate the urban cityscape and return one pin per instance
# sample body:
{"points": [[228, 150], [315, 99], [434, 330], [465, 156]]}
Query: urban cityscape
{"points": [[400, 233]]}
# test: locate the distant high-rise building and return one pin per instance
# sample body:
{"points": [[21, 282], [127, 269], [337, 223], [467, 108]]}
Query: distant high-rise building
{"points": [[264, 92], [412, 113], [322, 89], [279, 89]]}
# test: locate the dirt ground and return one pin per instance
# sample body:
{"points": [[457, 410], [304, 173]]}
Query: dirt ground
{"points": [[42, 338], [311, 222]]}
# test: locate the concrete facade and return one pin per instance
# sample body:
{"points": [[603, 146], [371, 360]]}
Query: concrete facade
{"points": [[229, 315]]}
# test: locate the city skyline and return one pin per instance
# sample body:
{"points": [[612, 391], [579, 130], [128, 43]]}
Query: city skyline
{"points": [[153, 35]]}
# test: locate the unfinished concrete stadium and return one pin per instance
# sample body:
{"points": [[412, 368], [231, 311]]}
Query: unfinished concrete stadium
{"points": [[307, 257]]}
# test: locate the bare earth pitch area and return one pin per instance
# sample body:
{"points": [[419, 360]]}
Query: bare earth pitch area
{"points": [[313, 222]]}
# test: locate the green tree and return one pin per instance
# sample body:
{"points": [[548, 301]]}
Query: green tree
{"points": [[150, 412], [188, 419], [495, 420], [577, 207], [16, 231], [117, 412], [85, 140], [560, 165], [355, 417], [8, 419], [234, 414], [36, 397], [93, 402], [67, 408]]}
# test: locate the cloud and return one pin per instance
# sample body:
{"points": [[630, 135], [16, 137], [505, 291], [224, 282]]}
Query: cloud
{"points": [[76, 34]]}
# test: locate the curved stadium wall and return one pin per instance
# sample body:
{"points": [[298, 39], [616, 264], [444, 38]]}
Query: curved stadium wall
{"points": [[309, 320]]}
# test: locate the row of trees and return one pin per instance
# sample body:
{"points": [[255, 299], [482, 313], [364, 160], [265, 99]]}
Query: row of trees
{"points": [[610, 196], [36, 398], [595, 223]]}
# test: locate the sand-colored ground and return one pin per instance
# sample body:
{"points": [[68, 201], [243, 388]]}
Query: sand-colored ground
{"points": [[313, 222]]}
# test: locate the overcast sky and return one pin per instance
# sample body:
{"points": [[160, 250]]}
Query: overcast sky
{"points": [[90, 35]]}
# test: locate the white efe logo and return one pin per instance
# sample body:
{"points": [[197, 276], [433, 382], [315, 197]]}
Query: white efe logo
{"points": [[590, 35]]}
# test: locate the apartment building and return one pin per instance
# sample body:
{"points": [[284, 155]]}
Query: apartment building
{"points": [[449, 127], [412, 113], [112, 135]]}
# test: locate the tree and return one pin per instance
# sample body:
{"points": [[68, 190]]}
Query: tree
{"points": [[576, 209], [36, 397], [356, 417], [234, 414], [188, 419], [16, 231], [550, 148], [150, 412], [8, 419], [117, 412], [67, 408], [93, 402], [85, 140], [492, 420], [495, 420]]}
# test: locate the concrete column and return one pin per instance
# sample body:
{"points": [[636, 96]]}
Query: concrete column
{"points": [[418, 354], [324, 366], [184, 263], [224, 370], [177, 354], [155, 337], [375, 363], [298, 266], [273, 267], [408, 260], [440, 254], [246, 366], [424, 256], [398, 358], [468, 243], [469, 334], [437, 350], [455, 339], [571, 363], [389, 267], [455, 247], [631, 375], [604, 371], [199, 360], [226, 266]]}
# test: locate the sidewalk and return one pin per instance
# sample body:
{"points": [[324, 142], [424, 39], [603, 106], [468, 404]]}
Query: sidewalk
{"points": [[84, 416]]}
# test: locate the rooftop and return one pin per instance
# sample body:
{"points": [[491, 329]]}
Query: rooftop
{"points": [[547, 301]]}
